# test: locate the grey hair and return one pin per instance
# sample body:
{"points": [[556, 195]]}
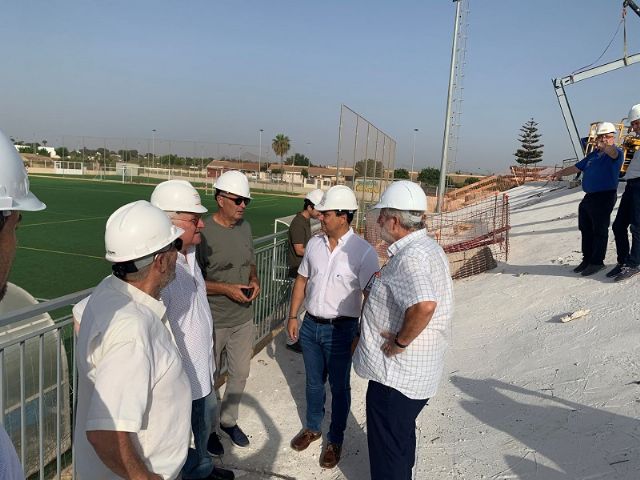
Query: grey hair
{"points": [[140, 275], [409, 219]]}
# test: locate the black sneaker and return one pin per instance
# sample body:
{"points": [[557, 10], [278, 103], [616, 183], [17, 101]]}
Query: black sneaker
{"points": [[627, 272], [615, 271], [214, 446], [591, 269], [584, 264], [221, 474], [236, 435], [295, 347]]}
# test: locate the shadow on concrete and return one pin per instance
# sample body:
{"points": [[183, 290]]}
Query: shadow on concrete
{"points": [[579, 440]]}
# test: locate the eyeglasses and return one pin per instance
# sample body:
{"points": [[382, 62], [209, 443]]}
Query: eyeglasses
{"points": [[238, 200], [195, 220], [177, 244]]}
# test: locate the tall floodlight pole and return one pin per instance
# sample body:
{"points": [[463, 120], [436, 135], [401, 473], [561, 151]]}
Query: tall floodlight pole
{"points": [[413, 155], [259, 151], [445, 138], [153, 146]]}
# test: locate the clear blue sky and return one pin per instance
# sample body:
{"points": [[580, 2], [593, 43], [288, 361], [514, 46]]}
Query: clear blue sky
{"points": [[219, 70]]}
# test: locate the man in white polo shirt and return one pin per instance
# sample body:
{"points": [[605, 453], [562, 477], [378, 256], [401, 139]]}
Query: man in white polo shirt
{"points": [[134, 398], [190, 318], [404, 331], [335, 269]]}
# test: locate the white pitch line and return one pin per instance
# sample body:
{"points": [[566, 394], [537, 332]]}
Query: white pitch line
{"points": [[61, 253], [62, 221]]}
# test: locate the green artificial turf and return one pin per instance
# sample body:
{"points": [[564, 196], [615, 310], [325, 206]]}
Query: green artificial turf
{"points": [[61, 249]]}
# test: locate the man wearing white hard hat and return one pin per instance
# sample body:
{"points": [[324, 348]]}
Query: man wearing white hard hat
{"points": [[190, 318], [134, 398], [601, 171], [335, 269], [15, 197], [298, 236], [628, 216], [404, 331], [232, 286]]}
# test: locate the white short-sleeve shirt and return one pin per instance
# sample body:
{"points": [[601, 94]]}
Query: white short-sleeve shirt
{"points": [[130, 379], [189, 315], [417, 271], [337, 278]]}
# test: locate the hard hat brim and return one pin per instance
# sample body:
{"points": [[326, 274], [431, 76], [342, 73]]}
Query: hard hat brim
{"points": [[28, 203]]}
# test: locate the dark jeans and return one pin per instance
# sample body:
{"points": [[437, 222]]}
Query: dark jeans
{"points": [[594, 216], [199, 463], [628, 218], [326, 350], [391, 432]]}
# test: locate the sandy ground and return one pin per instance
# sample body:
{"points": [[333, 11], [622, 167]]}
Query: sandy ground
{"points": [[524, 396]]}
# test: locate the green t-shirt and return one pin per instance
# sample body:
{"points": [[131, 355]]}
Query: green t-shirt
{"points": [[229, 256], [299, 232]]}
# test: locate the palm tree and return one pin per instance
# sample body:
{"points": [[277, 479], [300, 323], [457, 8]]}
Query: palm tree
{"points": [[281, 145]]}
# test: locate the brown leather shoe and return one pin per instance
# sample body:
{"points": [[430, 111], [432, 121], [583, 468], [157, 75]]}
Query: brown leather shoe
{"points": [[331, 455], [304, 438]]}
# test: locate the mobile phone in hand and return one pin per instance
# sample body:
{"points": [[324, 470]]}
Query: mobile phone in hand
{"points": [[247, 292]]}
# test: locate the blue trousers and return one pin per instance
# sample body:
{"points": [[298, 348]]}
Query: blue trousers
{"points": [[199, 463], [391, 432], [326, 350], [628, 218]]}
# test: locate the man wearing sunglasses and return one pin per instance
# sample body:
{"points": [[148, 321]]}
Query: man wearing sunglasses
{"points": [[232, 285], [601, 170], [14, 198], [134, 398], [191, 323]]}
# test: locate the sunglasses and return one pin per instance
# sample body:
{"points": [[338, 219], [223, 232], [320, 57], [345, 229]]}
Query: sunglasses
{"points": [[238, 200]]}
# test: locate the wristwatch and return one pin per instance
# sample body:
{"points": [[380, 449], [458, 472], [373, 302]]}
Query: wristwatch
{"points": [[398, 344]]}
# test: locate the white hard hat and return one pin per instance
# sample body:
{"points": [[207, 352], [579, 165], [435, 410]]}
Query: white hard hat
{"points": [[14, 182], [137, 230], [634, 113], [604, 128], [339, 197], [315, 196], [177, 196], [234, 182], [403, 195]]}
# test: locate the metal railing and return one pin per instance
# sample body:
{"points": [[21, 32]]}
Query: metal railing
{"points": [[37, 387]]}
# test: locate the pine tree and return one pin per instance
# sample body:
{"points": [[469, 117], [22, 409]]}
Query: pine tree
{"points": [[530, 151]]}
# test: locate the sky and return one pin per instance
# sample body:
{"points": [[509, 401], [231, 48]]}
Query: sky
{"points": [[221, 70]]}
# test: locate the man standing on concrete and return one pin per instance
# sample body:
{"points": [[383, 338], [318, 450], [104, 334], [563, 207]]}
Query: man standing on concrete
{"points": [[134, 398], [404, 331], [628, 216], [232, 285], [14, 198], [191, 323], [601, 170], [299, 234], [336, 267]]}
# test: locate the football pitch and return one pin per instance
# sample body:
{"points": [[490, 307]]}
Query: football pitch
{"points": [[61, 249]]}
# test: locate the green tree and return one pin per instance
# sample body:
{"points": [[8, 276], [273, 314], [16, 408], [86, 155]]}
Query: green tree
{"points": [[401, 174], [305, 173], [429, 176], [298, 159], [369, 168], [530, 151], [62, 152], [281, 145], [42, 152], [470, 180]]}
